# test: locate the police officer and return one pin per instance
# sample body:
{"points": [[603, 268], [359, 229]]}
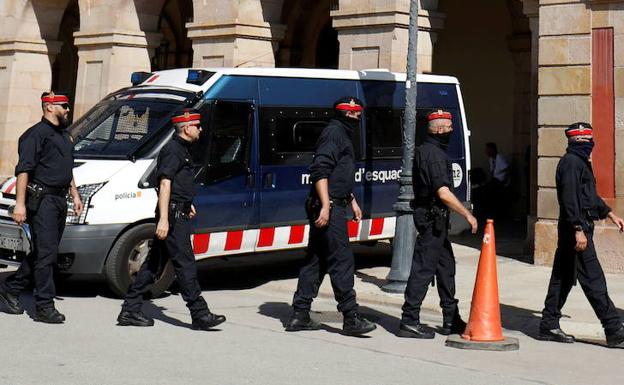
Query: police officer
{"points": [[575, 258], [433, 255], [172, 240], [332, 173], [44, 177]]}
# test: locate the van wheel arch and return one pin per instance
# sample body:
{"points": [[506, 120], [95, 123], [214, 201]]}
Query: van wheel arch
{"points": [[126, 256]]}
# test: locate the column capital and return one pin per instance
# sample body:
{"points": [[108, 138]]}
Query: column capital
{"points": [[235, 29], [40, 46], [110, 38], [385, 16]]}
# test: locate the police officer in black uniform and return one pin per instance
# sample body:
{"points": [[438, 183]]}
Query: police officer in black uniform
{"points": [[575, 258], [172, 240], [44, 178], [333, 174], [433, 255]]}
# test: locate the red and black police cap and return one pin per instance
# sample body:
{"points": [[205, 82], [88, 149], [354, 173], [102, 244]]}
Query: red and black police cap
{"points": [[349, 103], [579, 129]]}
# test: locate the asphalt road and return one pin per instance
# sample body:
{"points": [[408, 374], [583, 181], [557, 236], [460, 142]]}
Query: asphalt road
{"points": [[252, 348]]}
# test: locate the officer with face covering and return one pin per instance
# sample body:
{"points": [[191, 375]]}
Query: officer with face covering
{"points": [[575, 258], [333, 175], [433, 255]]}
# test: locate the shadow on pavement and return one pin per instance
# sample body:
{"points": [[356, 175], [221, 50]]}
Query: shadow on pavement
{"points": [[281, 311], [525, 321]]}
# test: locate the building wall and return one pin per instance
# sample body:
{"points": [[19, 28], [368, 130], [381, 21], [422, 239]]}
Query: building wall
{"points": [[548, 88], [568, 93]]}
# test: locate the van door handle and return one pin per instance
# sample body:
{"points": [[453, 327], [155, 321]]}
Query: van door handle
{"points": [[269, 180], [251, 180]]}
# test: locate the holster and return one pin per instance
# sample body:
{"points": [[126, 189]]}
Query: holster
{"points": [[34, 195], [312, 207], [179, 210], [439, 217]]}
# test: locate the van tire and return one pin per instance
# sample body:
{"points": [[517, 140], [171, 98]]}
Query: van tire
{"points": [[134, 243]]}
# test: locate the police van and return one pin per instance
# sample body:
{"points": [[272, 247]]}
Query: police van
{"points": [[260, 129]]}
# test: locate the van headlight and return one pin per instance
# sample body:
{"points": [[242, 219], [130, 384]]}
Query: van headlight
{"points": [[86, 192]]}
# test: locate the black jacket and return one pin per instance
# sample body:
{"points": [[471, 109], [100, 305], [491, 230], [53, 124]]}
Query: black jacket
{"points": [[579, 204], [46, 154], [334, 159], [432, 170], [176, 164]]}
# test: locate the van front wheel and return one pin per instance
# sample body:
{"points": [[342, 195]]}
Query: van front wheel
{"points": [[126, 258]]}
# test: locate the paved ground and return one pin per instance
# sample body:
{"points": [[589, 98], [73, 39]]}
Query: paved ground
{"points": [[252, 348]]}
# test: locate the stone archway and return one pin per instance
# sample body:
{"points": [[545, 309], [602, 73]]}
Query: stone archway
{"points": [[175, 49], [487, 46], [65, 66], [310, 40]]}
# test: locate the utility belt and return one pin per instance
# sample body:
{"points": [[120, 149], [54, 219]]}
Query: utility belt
{"points": [[341, 202], [313, 205], [35, 193], [434, 213], [179, 210]]}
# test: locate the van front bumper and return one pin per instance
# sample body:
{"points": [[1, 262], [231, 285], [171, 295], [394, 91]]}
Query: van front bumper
{"points": [[82, 251]]}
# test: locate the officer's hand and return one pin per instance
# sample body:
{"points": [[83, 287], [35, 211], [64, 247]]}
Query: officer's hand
{"points": [[162, 229], [581, 241], [19, 214], [78, 206], [619, 222], [193, 212], [357, 212], [473, 223], [323, 218]]}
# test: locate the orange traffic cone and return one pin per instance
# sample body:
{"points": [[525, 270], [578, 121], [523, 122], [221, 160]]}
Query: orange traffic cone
{"points": [[484, 330], [485, 322]]}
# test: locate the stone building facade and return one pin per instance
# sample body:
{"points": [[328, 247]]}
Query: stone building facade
{"points": [[527, 67]]}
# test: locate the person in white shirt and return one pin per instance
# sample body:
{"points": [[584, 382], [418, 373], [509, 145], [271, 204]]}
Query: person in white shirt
{"points": [[499, 167]]}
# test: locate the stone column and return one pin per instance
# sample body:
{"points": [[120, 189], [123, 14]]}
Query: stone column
{"points": [[111, 45], [105, 62], [229, 33], [374, 34], [564, 97], [531, 10], [25, 72]]}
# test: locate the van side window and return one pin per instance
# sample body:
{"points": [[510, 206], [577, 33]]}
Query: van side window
{"points": [[384, 130], [223, 148], [289, 135]]}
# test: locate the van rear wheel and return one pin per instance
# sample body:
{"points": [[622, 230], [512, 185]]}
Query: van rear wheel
{"points": [[126, 258]]}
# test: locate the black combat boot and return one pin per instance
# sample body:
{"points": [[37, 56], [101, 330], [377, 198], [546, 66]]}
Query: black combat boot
{"points": [[208, 321], [300, 320], [556, 335], [134, 318], [355, 325], [49, 315], [10, 302], [616, 340], [416, 330], [457, 326]]}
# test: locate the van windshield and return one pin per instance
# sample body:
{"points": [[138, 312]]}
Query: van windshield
{"points": [[117, 128]]}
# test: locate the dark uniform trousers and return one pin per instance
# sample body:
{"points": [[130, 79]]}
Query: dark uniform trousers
{"points": [[433, 257], [46, 226], [177, 246], [567, 268], [328, 252]]}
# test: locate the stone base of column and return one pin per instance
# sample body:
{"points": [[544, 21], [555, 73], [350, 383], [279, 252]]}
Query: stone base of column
{"points": [[235, 44]]}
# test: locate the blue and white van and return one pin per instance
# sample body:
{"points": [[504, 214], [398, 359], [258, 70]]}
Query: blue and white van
{"points": [[260, 129]]}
